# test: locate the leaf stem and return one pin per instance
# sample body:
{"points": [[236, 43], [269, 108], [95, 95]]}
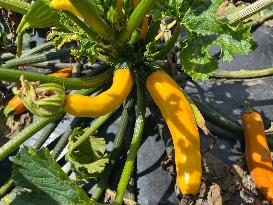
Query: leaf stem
{"points": [[68, 83], [28, 132], [83, 26], [252, 9], [53, 65], [64, 138], [135, 144], [115, 153], [46, 133], [15, 5], [19, 44], [219, 120], [40, 48], [93, 19], [135, 20], [48, 130], [241, 74], [95, 126], [6, 187], [163, 52], [37, 58]]}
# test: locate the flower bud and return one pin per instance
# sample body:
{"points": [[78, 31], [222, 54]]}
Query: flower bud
{"points": [[43, 100]]}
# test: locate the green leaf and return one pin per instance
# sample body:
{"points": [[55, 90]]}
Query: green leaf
{"points": [[90, 158], [206, 31], [40, 15], [44, 179], [19, 196], [174, 8], [70, 32]]}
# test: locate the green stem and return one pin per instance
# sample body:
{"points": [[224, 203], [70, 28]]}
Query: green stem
{"points": [[68, 83], [83, 26], [93, 19], [38, 58], [46, 133], [95, 126], [115, 153], [28, 132], [163, 52], [6, 56], [135, 20], [15, 5], [6, 187], [135, 144], [48, 130], [219, 120], [19, 44], [53, 65], [248, 11], [131, 187], [37, 49], [243, 73], [40, 48], [64, 138]]}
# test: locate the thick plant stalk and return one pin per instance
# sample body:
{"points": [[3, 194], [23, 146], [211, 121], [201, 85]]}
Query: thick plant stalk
{"points": [[19, 6], [40, 48], [135, 144], [37, 49], [250, 10], [38, 58], [64, 138], [28, 132], [135, 20], [115, 153], [46, 133], [68, 83], [145, 25], [53, 65], [242, 74], [92, 18], [219, 120], [19, 44]]}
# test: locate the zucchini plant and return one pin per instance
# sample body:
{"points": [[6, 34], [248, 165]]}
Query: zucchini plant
{"points": [[136, 42]]}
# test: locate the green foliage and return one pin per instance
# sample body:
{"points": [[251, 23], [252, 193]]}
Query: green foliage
{"points": [[40, 15], [43, 180], [90, 158], [204, 32], [71, 32]]}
